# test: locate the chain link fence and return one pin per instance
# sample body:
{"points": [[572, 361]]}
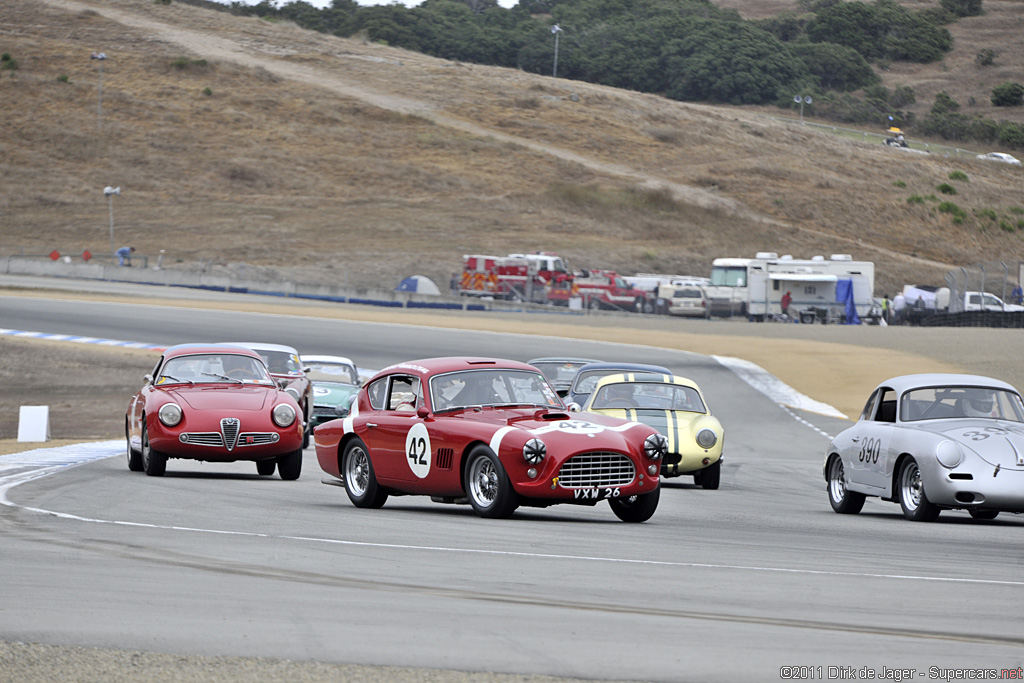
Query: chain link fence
{"points": [[999, 278]]}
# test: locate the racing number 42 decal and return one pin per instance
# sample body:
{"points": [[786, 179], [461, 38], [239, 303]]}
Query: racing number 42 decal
{"points": [[417, 450], [870, 450]]}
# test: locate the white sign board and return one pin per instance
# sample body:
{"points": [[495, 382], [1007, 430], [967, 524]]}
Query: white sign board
{"points": [[34, 423]]}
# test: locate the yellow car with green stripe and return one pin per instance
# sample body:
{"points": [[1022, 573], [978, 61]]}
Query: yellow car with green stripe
{"points": [[675, 407]]}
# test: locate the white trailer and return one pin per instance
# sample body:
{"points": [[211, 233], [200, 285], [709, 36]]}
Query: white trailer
{"points": [[754, 287]]}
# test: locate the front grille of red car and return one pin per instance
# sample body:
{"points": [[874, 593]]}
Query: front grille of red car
{"points": [[599, 468], [203, 438], [229, 427], [216, 440]]}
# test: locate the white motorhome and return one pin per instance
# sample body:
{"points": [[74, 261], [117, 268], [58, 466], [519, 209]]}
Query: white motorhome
{"points": [[755, 287]]}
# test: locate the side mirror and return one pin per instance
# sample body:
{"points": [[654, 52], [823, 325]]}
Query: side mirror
{"points": [[422, 413], [573, 407], [148, 379]]}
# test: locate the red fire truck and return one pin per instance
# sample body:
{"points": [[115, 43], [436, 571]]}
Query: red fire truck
{"points": [[602, 289], [543, 277], [517, 277]]}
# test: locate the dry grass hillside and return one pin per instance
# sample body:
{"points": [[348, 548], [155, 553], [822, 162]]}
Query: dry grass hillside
{"points": [[235, 140]]}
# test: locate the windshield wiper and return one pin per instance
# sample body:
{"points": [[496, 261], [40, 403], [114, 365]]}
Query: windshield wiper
{"points": [[175, 379], [230, 379]]}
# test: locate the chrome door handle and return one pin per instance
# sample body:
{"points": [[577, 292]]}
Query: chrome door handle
{"points": [[371, 424]]}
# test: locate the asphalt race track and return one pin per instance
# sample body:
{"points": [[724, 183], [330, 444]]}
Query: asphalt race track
{"points": [[736, 584]]}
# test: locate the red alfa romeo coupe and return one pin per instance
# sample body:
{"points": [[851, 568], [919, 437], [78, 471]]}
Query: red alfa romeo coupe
{"points": [[215, 403], [491, 433]]}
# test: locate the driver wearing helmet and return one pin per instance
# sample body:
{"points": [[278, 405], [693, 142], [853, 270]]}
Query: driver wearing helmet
{"points": [[980, 404], [447, 388], [619, 395]]}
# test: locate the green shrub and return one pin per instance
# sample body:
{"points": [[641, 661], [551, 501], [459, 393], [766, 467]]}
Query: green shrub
{"points": [[946, 188], [915, 199], [986, 213], [186, 63], [1016, 210], [63, 78], [207, 91], [944, 104], [985, 58], [1008, 95], [1011, 134], [1007, 226], [7, 62], [957, 175], [953, 210], [899, 183], [962, 8]]}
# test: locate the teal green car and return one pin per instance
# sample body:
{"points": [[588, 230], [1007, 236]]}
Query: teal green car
{"points": [[335, 381], [331, 400]]}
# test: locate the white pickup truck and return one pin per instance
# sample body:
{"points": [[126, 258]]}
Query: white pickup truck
{"points": [[983, 301]]}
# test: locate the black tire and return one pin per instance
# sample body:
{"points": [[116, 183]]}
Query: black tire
{"points": [[360, 481], [266, 467], [134, 458], [912, 496], [636, 509], [843, 501], [154, 463], [984, 514], [487, 485], [711, 476], [305, 437], [289, 465], [594, 304]]}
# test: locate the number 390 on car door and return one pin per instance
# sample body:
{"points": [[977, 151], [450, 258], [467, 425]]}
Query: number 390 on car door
{"points": [[869, 450]]}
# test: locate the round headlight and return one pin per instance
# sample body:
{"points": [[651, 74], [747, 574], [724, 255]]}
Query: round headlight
{"points": [[293, 392], [949, 454], [534, 451], [655, 446], [283, 414], [706, 438], [170, 414]]}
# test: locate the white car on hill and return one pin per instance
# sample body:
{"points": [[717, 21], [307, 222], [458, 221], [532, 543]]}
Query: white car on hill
{"points": [[1000, 156]]}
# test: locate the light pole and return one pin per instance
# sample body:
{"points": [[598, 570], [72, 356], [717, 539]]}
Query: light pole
{"points": [[556, 29], [801, 100], [99, 109], [109, 193]]}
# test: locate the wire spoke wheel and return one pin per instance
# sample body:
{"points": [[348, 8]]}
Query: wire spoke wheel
{"points": [[360, 481], [483, 481], [487, 485], [357, 471]]}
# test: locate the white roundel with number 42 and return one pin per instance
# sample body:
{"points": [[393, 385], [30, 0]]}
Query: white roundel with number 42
{"points": [[417, 450]]}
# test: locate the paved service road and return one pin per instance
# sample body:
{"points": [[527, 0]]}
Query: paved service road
{"points": [[720, 585]]}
